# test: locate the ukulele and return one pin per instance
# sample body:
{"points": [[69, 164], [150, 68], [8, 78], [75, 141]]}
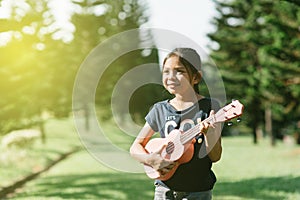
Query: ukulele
{"points": [[178, 146]]}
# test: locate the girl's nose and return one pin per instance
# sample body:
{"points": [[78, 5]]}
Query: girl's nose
{"points": [[171, 75]]}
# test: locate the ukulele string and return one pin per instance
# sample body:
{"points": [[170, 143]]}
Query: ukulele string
{"points": [[189, 134]]}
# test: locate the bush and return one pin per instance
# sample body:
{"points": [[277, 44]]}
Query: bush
{"points": [[20, 138]]}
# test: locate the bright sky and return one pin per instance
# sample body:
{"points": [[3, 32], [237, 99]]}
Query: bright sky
{"points": [[188, 17]]}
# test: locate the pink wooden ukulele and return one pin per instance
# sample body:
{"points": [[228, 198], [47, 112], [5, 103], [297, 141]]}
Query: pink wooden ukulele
{"points": [[179, 145]]}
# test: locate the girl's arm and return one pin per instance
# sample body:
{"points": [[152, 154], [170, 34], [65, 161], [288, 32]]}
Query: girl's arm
{"points": [[213, 143], [138, 151], [212, 136]]}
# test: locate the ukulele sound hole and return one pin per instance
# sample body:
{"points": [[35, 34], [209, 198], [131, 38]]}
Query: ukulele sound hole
{"points": [[170, 147]]}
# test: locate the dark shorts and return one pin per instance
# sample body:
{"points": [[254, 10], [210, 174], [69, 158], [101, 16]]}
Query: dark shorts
{"points": [[162, 192]]}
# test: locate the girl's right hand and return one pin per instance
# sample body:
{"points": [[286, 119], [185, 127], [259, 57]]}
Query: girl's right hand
{"points": [[158, 163]]}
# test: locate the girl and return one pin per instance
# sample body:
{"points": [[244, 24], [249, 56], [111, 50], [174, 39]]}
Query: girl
{"points": [[192, 180]]}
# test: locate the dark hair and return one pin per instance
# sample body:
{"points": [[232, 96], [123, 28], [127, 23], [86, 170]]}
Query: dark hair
{"points": [[190, 59]]}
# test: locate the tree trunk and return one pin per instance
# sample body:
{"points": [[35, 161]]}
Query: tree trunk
{"points": [[254, 134], [268, 125], [42, 130]]}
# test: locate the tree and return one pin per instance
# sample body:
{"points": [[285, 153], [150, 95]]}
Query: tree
{"points": [[41, 79], [116, 17], [23, 71], [246, 37], [38, 68], [281, 55]]}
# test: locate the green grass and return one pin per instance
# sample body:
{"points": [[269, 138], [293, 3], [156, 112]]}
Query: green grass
{"points": [[16, 163], [82, 177], [246, 171]]}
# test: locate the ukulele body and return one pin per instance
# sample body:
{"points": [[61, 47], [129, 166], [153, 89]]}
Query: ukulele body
{"points": [[174, 150]]}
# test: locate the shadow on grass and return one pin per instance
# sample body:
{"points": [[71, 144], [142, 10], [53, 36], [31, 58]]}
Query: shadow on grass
{"points": [[137, 186], [93, 186], [275, 188]]}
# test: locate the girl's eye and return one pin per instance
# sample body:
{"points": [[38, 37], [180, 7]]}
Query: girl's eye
{"points": [[180, 71]]}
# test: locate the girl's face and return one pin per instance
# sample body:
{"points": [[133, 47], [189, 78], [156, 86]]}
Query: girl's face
{"points": [[176, 78]]}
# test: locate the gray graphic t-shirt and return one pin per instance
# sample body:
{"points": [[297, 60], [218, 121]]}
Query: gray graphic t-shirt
{"points": [[196, 175]]}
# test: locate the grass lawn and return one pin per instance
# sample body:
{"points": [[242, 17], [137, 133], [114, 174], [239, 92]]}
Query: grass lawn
{"points": [[246, 171], [16, 163]]}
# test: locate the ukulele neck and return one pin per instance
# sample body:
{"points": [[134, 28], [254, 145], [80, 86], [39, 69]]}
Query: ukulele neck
{"points": [[194, 131], [230, 111]]}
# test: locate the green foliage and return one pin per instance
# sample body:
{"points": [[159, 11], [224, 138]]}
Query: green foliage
{"points": [[38, 64], [31, 73], [119, 16], [138, 105], [257, 50]]}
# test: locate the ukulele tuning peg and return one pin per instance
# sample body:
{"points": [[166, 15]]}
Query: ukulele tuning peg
{"points": [[238, 119], [229, 123]]}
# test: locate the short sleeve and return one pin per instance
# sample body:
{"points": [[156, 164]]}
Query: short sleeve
{"points": [[151, 118]]}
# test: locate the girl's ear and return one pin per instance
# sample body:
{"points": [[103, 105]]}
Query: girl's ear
{"points": [[197, 77]]}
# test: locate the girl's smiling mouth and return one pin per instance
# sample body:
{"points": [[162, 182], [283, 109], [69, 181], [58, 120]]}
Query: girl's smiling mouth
{"points": [[172, 84]]}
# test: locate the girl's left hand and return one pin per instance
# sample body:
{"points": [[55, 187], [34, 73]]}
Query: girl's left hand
{"points": [[205, 125]]}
